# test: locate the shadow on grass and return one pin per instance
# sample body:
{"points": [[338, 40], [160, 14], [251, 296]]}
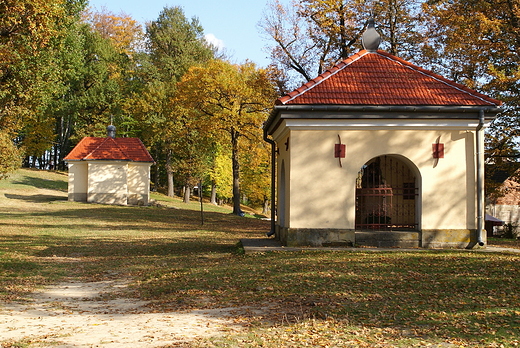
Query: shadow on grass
{"points": [[100, 248], [36, 198], [42, 183], [35, 261], [92, 217]]}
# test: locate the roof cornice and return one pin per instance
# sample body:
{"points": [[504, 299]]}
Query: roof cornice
{"points": [[376, 112]]}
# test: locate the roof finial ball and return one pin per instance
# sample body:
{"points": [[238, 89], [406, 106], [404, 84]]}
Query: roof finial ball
{"points": [[371, 37], [111, 131]]}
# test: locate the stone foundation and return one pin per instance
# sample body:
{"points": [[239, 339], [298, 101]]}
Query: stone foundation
{"points": [[395, 239], [77, 197], [108, 198], [316, 237], [459, 239]]}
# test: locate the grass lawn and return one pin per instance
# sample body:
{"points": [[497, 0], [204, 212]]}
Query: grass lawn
{"points": [[360, 298]]}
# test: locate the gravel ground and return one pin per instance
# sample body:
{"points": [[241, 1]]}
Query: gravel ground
{"points": [[89, 315]]}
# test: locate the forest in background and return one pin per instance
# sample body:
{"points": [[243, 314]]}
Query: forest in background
{"points": [[67, 71]]}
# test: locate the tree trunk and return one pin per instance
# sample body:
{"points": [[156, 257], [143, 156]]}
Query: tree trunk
{"points": [[156, 174], [236, 173], [169, 171], [187, 193], [213, 193], [64, 130]]}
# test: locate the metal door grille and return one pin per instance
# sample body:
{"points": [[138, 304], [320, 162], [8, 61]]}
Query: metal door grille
{"points": [[386, 196]]}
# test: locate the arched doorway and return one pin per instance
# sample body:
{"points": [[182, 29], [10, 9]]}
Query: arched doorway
{"points": [[386, 195]]}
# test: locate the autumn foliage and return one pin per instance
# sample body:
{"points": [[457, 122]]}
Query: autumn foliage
{"points": [[67, 71]]}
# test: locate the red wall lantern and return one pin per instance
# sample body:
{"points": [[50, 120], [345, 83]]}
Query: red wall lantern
{"points": [[340, 151], [438, 150]]}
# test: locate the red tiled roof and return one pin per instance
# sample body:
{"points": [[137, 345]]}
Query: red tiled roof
{"points": [[379, 78], [117, 149]]}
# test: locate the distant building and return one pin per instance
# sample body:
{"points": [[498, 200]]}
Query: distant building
{"points": [[109, 170], [377, 151], [504, 205]]}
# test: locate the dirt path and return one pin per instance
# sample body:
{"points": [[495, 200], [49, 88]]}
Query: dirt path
{"points": [[89, 315]]}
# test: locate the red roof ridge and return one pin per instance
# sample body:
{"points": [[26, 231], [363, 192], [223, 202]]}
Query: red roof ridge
{"points": [[115, 146], [320, 78]]}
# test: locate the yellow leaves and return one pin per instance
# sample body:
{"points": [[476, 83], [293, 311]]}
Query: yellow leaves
{"points": [[228, 95], [476, 35], [221, 174], [124, 32], [33, 21]]}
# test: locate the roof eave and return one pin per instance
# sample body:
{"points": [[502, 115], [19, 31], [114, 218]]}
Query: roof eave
{"points": [[437, 110], [106, 160]]}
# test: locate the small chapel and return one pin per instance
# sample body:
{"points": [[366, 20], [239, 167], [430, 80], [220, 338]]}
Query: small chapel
{"points": [[109, 170], [377, 151]]}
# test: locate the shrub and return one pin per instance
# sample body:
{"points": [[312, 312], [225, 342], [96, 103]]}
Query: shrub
{"points": [[510, 231], [10, 156]]}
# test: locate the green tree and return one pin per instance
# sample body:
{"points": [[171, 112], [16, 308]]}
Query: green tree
{"points": [[176, 43], [93, 86], [173, 44]]}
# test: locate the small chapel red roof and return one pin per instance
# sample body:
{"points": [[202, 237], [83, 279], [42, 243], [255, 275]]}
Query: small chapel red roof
{"points": [[379, 78], [108, 148]]}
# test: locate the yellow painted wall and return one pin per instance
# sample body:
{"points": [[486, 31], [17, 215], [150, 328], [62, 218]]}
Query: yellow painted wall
{"points": [[138, 183], [283, 182], [322, 194], [78, 182], [107, 182]]}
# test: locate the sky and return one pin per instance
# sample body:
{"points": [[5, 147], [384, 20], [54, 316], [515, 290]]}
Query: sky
{"points": [[231, 24]]}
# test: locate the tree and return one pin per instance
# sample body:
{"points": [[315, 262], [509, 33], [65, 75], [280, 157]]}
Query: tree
{"points": [[221, 175], [293, 48], [256, 175], [233, 101], [92, 89], [477, 43], [310, 36], [33, 35], [27, 29], [173, 44], [192, 146], [123, 31]]}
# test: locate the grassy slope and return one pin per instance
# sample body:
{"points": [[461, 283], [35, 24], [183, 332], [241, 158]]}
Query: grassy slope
{"points": [[310, 298]]}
